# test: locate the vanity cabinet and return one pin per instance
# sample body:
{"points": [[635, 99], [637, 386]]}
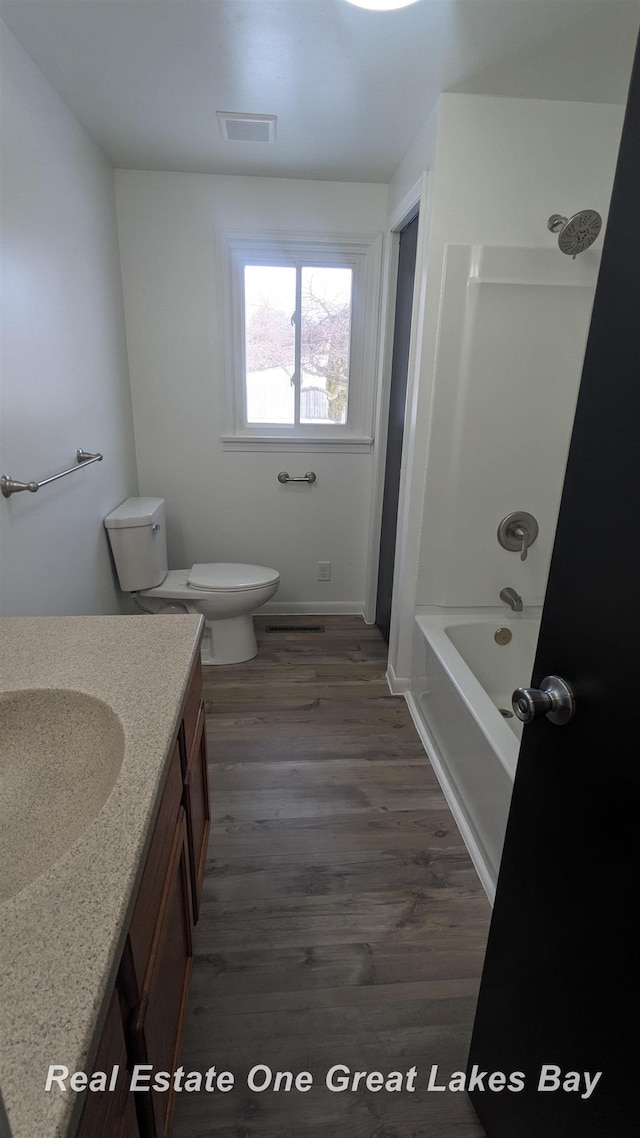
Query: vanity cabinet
{"points": [[146, 1017]]}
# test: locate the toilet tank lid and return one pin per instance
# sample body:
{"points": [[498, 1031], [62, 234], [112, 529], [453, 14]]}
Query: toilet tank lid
{"points": [[135, 512]]}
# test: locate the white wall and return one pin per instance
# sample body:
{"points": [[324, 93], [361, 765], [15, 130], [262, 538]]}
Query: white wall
{"points": [[419, 157], [223, 505], [502, 167], [64, 381]]}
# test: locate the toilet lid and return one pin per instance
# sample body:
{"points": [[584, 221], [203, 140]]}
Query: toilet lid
{"points": [[230, 576]]}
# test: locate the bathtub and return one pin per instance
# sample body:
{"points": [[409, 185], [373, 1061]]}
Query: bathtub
{"points": [[461, 679]]}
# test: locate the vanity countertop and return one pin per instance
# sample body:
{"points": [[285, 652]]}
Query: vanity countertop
{"points": [[62, 934]]}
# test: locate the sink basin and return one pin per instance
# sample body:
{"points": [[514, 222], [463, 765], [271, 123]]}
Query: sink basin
{"points": [[60, 755]]}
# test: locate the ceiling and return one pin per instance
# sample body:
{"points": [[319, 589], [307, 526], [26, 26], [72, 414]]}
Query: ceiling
{"points": [[351, 88]]}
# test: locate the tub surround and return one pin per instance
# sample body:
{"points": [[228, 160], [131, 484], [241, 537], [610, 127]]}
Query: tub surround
{"points": [[63, 932]]}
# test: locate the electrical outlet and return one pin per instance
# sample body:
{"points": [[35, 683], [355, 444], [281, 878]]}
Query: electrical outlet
{"points": [[324, 570]]}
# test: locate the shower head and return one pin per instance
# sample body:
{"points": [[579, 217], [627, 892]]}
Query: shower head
{"points": [[577, 233]]}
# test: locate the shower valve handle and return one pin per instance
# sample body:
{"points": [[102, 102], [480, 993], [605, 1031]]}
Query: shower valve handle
{"points": [[522, 534], [554, 699], [517, 532]]}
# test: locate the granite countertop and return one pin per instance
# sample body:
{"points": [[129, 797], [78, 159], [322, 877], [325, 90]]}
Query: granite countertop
{"points": [[62, 934]]}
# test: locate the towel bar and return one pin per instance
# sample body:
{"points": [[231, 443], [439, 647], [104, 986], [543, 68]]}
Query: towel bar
{"points": [[308, 477], [10, 486]]}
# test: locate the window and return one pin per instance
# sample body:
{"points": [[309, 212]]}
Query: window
{"points": [[297, 343], [302, 320]]}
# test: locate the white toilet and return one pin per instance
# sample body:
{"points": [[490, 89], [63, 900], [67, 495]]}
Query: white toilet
{"points": [[225, 593]]}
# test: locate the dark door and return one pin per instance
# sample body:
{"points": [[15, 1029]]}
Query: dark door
{"points": [[560, 988], [397, 400]]}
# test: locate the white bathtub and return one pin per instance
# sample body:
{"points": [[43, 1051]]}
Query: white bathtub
{"points": [[460, 679]]}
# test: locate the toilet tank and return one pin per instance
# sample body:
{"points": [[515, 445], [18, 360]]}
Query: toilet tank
{"points": [[138, 539]]}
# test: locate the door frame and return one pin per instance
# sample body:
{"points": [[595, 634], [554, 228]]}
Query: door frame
{"points": [[396, 420], [412, 204]]}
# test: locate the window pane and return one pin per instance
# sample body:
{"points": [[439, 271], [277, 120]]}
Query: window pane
{"points": [[270, 301], [325, 339]]}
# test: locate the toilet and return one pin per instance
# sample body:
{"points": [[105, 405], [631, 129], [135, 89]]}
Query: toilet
{"points": [[225, 593]]}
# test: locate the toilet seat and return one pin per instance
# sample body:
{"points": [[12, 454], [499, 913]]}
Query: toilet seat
{"points": [[175, 585], [230, 576]]}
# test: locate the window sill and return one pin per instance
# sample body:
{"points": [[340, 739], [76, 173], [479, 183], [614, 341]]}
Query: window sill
{"points": [[348, 445]]}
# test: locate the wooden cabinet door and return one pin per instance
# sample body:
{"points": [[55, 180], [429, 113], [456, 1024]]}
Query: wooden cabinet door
{"points": [[129, 1121], [196, 802], [159, 1023], [110, 1113], [191, 711], [152, 887]]}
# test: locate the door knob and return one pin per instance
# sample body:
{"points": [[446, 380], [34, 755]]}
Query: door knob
{"points": [[554, 699]]}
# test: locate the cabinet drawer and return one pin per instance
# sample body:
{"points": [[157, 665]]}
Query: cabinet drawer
{"points": [[147, 907]]}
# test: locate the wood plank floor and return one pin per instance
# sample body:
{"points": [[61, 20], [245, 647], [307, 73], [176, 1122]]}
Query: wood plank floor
{"points": [[342, 921]]}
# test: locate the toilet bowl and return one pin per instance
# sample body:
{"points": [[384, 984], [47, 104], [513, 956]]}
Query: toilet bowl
{"points": [[226, 605], [225, 593]]}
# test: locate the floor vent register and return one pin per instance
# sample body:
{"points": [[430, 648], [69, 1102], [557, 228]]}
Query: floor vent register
{"points": [[294, 628]]}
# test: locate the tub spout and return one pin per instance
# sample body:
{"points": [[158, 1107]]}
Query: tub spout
{"points": [[511, 598]]}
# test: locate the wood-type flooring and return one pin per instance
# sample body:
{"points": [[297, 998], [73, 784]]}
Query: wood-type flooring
{"points": [[342, 921]]}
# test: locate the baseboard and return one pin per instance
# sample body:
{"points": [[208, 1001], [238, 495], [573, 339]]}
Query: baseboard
{"points": [[433, 754], [398, 685], [314, 608]]}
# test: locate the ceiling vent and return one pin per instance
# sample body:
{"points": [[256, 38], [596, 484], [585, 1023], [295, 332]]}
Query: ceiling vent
{"points": [[247, 128]]}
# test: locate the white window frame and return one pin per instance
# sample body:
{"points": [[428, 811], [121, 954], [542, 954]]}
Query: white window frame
{"points": [[360, 252]]}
